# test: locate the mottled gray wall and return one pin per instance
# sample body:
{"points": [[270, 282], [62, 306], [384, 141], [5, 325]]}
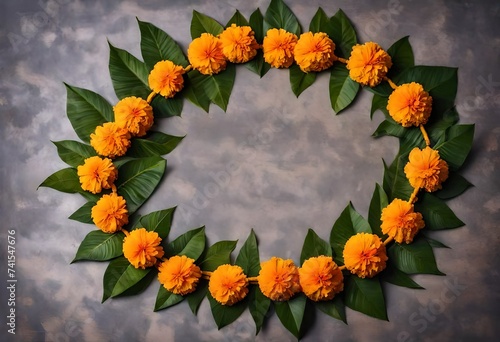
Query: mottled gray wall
{"points": [[298, 165]]}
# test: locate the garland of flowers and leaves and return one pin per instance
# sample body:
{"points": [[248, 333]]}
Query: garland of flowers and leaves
{"points": [[119, 165]]}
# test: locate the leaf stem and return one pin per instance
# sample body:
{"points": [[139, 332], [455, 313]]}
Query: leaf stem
{"points": [[392, 84], [342, 60], [388, 240], [151, 97], [425, 135]]}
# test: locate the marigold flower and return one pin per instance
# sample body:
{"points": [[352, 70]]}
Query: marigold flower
{"points": [[134, 114], [410, 105], [314, 52], [400, 221], [278, 46], [110, 213], [368, 64], [279, 279], [238, 43], [179, 275], [228, 284], [205, 54], [320, 278], [364, 255], [166, 78], [142, 248], [96, 174], [425, 169], [110, 140]]}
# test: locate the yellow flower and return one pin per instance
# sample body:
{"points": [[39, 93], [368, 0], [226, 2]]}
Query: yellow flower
{"points": [[320, 278], [166, 78], [228, 284], [110, 140], [238, 43], [179, 275], [425, 169], [205, 54], [400, 221], [279, 279], [364, 255], [278, 48], [134, 114], [410, 105], [314, 52], [142, 248], [97, 174], [110, 213], [368, 64]]}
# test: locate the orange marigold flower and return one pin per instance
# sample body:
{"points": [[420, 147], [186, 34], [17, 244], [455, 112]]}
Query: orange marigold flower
{"points": [[320, 278], [410, 105], [368, 64], [279, 279], [238, 43], [425, 169], [166, 78], [278, 46], [228, 284], [314, 52], [110, 213], [96, 174], [364, 255], [400, 221], [134, 114], [142, 248], [205, 54], [179, 275], [110, 140]]}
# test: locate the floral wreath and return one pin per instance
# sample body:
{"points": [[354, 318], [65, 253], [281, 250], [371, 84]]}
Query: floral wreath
{"points": [[119, 165]]}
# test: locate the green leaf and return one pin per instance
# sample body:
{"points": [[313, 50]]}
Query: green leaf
{"points": [[237, 19], [138, 178], [128, 74], [348, 224], [165, 108], [396, 277], [74, 153], [379, 103], [194, 89], [437, 215], [217, 254], [314, 246], [291, 314], [439, 124], [156, 45], [195, 298], [278, 15], [165, 299], [86, 110], [65, 180], [158, 221], [257, 64], [343, 89], [379, 201], [343, 34], [219, 87], [334, 308], [319, 21], [365, 295], [120, 276], [453, 186], [190, 244], [395, 183], [457, 146], [84, 213], [201, 23], [414, 258], [224, 314], [258, 307], [155, 144], [402, 57], [391, 128], [435, 243], [300, 80], [248, 258], [99, 246]]}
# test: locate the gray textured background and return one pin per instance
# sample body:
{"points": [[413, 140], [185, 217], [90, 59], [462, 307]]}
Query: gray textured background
{"points": [[298, 165]]}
